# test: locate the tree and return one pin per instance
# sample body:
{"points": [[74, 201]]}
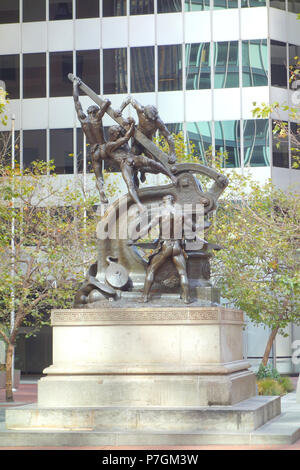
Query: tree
{"points": [[47, 238], [258, 267]]}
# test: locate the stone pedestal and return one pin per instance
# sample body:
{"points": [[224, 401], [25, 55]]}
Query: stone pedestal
{"points": [[147, 370], [179, 356]]}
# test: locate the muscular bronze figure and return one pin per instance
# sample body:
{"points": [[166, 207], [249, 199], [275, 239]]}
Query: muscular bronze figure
{"points": [[93, 128], [149, 122], [170, 246], [118, 150]]}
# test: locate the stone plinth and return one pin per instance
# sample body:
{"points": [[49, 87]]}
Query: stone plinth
{"points": [[147, 356]]}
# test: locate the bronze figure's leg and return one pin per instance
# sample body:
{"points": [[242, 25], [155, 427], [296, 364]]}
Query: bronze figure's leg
{"points": [[151, 166], [156, 262], [180, 264], [97, 167], [129, 177]]}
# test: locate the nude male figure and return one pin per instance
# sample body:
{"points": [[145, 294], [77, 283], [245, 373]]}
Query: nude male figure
{"points": [[149, 122], [93, 128], [118, 150]]}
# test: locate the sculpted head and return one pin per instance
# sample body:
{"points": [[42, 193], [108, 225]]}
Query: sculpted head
{"points": [[92, 110], [151, 112], [115, 132], [168, 199]]}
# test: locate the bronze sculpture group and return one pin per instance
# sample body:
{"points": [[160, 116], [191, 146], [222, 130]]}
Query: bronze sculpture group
{"points": [[170, 266]]}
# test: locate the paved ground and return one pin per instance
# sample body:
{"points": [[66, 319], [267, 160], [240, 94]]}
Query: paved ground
{"points": [[27, 393]]}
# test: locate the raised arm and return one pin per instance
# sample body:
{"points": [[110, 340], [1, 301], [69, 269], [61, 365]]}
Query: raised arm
{"points": [[103, 109], [78, 107]]}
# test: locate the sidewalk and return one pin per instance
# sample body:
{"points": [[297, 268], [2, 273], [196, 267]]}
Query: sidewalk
{"points": [[27, 393]]}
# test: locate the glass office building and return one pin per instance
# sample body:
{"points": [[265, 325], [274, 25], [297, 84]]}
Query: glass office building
{"points": [[203, 63]]}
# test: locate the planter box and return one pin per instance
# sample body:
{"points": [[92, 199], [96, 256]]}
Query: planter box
{"points": [[16, 379]]}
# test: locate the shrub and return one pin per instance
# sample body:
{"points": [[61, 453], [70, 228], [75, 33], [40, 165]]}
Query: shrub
{"points": [[269, 386], [286, 384], [267, 372]]}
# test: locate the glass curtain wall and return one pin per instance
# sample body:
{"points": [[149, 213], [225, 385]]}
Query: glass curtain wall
{"points": [[115, 71], [221, 4], [278, 4], [200, 135], [253, 3], [142, 77], [168, 6], [198, 66], [226, 59], [196, 5], [279, 66], [255, 63], [34, 146], [9, 11], [256, 142], [141, 7], [114, 7], [227, 142], [59, 10], [170, 68], [87, 8], [34, 10]]}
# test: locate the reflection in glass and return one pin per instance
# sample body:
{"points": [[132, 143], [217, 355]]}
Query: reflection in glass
{"points": [[278, 4], [175, 127], [255, 63], [294, 6], [88, 68], [34, 75], [59, 10], [253, 3], [294, 145], [294, 54], [114, 7], [9, 11], [200, 135], [141, 7], [61, 63], [226, 64], [142, 69], [196, 5], [87, 8], [170, 68], [9, 73], [168, 6], [220, 4], [278, 64], [280, 149], [34, 146], [61, 150], [227, 142], [34, 10], [115, 70], [256, 142], [197, 59]]}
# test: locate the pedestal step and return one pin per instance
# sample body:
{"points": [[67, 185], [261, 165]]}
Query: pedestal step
{"points": [[243, 417]]}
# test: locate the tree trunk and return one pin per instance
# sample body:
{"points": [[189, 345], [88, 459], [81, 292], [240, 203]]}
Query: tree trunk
{"points": [[9, 359], [269, 346]]}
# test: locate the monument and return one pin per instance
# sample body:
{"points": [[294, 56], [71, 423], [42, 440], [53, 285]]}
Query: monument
{"points": [[147, 348]]}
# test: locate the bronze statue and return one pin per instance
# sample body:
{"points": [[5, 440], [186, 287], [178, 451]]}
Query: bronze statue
{"points": [[170, 245], [149, 122], [118, 150], [93, 128]]}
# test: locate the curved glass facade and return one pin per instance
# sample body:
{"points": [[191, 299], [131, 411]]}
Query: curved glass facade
{"points": [[200, 134], [256, 142], [227, 141], [255, 63], [226, 58], [198, 66], [196, 5]]}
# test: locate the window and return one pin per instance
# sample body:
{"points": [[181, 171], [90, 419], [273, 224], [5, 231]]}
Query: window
{"points": [[226, 64], [114, 8], [294, 54], [141, 7], [80, 153], [253, 3], [294, 6], [168, 6], [220, 4], [256, 142], [34, 75], [280, 150], [142, 69], [9, 11], [87, 8], [61, 150], [34, 10], [115, 71], [169, 68], [199, 135], [6, 147], [255, 63], [278, 64], [175, 127], [196, 5], [227, 142], [10, 74], [198, 61], [278, 4], [34, 146], [59, 10], [61, 63], [294, 145], [88, 68]]}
